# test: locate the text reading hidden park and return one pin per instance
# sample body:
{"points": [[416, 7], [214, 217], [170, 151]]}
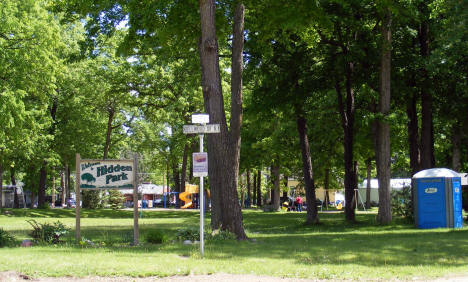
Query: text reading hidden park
{"points": [[115, 174]]}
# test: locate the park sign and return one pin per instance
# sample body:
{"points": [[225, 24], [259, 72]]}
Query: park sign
{"points": [[106, 174]]}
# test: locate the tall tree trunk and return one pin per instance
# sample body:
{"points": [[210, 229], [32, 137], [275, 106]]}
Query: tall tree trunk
{"points": [[62, 184], [110, 119], [194, 149], [347, 122], [259, 187], [275, 174], [1, 184], [456, 145], [368, 186], [42, 185], [254, 192], [312, 214], [67, 184], [183, 173], [242, 192], [327, 187], [427, 126], [413, 134], [382, 153], [249, 188], [176, 176], [53, 188], [224, 147], [15, 190]]}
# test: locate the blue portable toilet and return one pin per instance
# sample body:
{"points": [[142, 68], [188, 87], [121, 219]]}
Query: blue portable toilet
{"points": [[437, 200]]}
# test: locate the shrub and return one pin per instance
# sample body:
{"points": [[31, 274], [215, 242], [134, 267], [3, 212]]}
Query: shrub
{"points": [[402, 204], [91, 199], [6, 239], [188, 234], [156, 237], [48, 233], [222, 235], [116, 199]]}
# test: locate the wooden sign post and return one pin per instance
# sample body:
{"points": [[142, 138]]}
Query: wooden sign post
{"points": [[103, 175]]}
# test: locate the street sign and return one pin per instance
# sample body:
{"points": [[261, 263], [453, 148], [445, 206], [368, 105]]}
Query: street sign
{"points": [[200, 164], [201, 118], [201, 129]]}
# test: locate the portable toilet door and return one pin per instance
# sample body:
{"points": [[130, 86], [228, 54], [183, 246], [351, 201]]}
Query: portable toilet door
{"points": [[437, 198]]}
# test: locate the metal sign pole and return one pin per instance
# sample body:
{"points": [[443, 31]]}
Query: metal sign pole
{"points": [[202, 207]]}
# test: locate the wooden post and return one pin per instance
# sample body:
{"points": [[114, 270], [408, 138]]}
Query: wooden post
{"points": [[77, 206], [135, 200]]}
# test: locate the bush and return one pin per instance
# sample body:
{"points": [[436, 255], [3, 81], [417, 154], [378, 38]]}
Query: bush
{"points": [[6, 239], [222, 235], [48, 233], [156, 237], [91, 199], [188, 234], [116, 199], [402, 204]]}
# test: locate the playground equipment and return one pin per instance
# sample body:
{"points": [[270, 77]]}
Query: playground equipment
{"points": [[187, 196]]}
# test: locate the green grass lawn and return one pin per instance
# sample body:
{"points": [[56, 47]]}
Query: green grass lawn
{"points": [[283, 247]]}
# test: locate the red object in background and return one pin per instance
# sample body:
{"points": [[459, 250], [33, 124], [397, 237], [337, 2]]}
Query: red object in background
{"points": [[299, 200]]}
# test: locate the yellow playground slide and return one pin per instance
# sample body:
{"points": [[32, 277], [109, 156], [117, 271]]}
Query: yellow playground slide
{"points": [[187, 195]]}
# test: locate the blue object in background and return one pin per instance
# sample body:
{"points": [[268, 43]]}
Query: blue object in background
{"points": [[437, 199]]}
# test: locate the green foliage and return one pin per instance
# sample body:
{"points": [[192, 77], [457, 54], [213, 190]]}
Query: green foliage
{"points": [[402, 204], [156, 237], [48, 233], [91, 200], [6, 239], [191, 234], [115, 199], [222, 235]]}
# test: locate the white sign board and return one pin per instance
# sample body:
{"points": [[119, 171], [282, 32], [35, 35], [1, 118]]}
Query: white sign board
{"points": [[111, 174], [200, 164], [201, 129], [201, 118]]}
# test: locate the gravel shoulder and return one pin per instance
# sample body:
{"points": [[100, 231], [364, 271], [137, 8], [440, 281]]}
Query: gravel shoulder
{"points": [[8, 276]]}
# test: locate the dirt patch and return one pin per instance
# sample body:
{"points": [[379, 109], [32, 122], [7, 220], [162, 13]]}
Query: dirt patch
{"points": [[14, 276]]}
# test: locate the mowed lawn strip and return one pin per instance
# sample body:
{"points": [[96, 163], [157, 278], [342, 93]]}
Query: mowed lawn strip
{"points": [[283, 247]]}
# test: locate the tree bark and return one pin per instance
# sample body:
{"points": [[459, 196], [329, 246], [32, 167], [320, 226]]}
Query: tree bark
{"points": [[53, 188], [176, 176], [456, 147], [110, 119], [312, 214], [254, 192], [42, 185], [347, 122], [413, 134], [275, 174], [368, 186], [62, 184], [183, 173], [224, 147], [15, 190], [259, 187], [427, 126], [327, 187], [1, 185], [67, 180], [382, 153], [249, 188]]}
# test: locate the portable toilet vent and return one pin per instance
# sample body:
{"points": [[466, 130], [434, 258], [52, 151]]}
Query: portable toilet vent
{"points": [[437, 198]]}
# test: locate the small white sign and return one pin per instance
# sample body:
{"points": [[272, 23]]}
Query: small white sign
{"points": [[201, 118], [200, 164], [197, 129]]}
